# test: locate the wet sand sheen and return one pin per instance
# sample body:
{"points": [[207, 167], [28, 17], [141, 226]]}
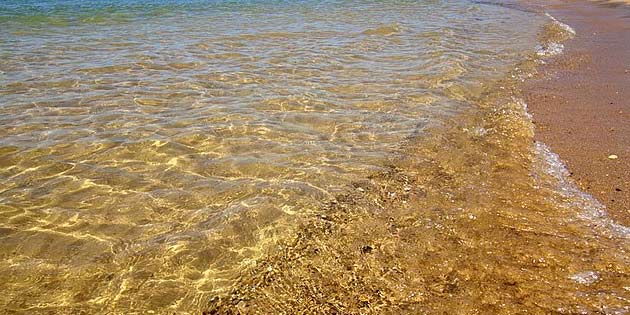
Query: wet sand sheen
{"points": [[580, 104]]}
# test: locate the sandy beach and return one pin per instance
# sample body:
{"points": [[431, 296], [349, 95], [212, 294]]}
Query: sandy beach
{"points": [[314, 157], [580, 103]]}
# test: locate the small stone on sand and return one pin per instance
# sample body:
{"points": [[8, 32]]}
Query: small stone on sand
{"points": [[613, 157]]}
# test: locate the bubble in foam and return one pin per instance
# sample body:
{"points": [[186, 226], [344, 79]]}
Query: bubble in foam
{"points": [[549, 49]]}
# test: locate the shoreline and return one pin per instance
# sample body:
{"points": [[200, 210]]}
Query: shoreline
{"points": [[579, 102], [221, 197], [417, 239]]}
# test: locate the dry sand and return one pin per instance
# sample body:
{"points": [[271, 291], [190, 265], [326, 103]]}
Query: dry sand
{"points": [[581, 103]]}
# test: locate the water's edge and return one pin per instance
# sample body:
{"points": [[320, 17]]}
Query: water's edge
{"points": [[372, 250], [315, 161]]}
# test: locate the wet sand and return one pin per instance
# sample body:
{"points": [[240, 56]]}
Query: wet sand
{"points": [[581, 102]]}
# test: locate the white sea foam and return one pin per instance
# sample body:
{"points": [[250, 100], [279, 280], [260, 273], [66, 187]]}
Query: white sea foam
{"points": [[591, 209], [564, 26], [551, 49]]}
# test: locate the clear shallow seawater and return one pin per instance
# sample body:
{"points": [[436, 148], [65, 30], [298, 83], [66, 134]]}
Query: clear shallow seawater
{"points": [[154, 154]]}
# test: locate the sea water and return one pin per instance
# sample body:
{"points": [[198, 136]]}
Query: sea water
{"points": [[179, 157]]}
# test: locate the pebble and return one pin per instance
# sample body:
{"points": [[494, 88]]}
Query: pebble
{"points": [[588, 277], [613, 157]]}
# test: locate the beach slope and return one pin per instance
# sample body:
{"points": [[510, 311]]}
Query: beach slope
{"points": [[580, 103]]}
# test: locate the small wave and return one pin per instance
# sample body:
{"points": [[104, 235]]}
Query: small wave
{"points": [[509, 5], [592, 209], [148, 101], [552, 37], [563, 26], [111, 69], [384, 30]]}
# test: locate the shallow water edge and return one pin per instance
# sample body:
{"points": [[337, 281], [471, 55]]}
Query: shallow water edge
{"points": [[333, 163], [476, 217]]}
